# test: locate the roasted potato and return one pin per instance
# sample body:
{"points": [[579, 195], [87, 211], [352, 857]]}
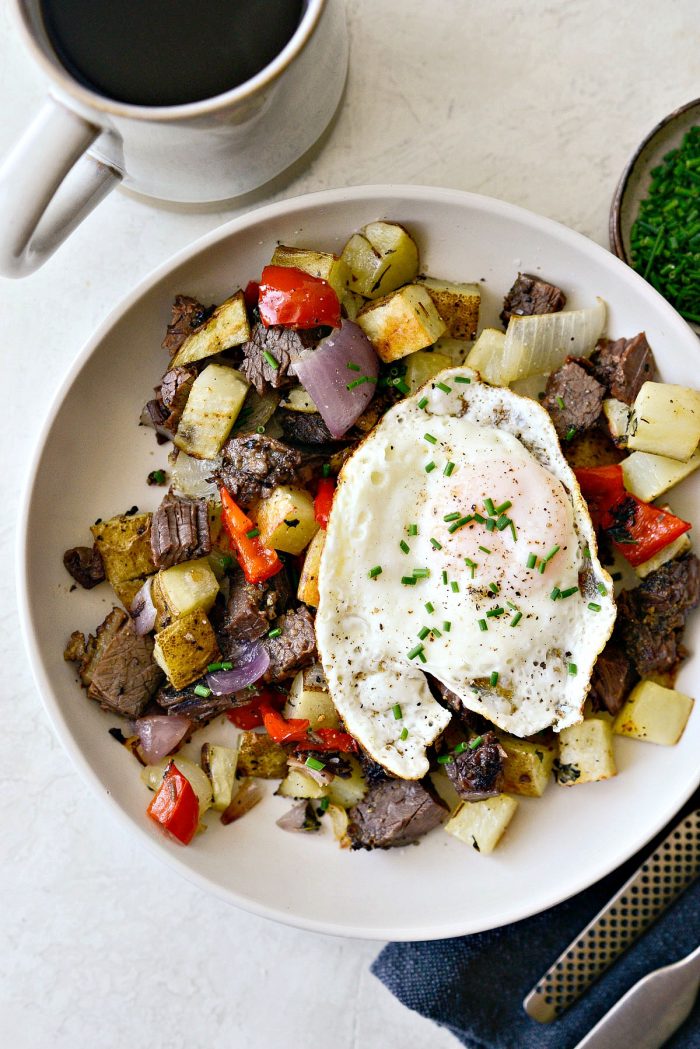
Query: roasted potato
{"points": [[297, 784], [402, 322], [307, 700], [380, 258], [185, 588], [124, 543], [665, 420], [617, 415], [528, 766], [219, 763], [330, 268], [654, 714], [212, 408], [350, 791], [307, 590], [424, 365], [457, 304], [286, 519], [184, 649], [481, 823], [586, 752], [260, 756], [648, 476], [228, 326]]}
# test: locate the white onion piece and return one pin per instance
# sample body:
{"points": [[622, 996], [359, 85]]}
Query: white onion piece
{"points": [[541, 343], [325, 374], [143, 611], [191, 477], [160, 734], [251, 664]]}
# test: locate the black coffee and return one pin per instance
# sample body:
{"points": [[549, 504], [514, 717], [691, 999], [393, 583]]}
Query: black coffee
{"points": [[168, 52]]}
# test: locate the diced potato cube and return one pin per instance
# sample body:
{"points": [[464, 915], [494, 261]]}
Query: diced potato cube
{"points": [[528, 766], [586, 752], [187, 587], [298, 784], [220, 763], [339, 825], [444, 788], [617, 414], [665, 420], [307, 701], [350, 791], [424, 365], [286, 519], [487, 356], [677, 548], [228, 326], [481, 823], [456, 349], [352, 304], [654, 714], [298, 400], [648, 476], [330, 268], [380, 258], [457, 304], [124, 543], [260, 756], [212, 408], [402, 322], [184, 649], [308, 591]]}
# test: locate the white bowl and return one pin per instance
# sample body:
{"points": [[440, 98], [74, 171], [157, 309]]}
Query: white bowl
{"points": [[92, 462]]}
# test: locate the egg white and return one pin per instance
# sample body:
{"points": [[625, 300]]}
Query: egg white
{"points": [[492, 613]]}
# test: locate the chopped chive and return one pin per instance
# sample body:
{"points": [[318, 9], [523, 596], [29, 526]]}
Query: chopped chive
{"points": [[435, 632], [556, 592], [404, 733], [423, 633], [253, 533], [573, 669], [503, 507], [423, 403], [422, 658], [531, 560], [226, 665], [593, 606], [542, 567], [514, 531], [502, 522], [460, 748], [421, 573], [459, 524], [570, 434], [490, 524], [444, 387], [552, 552], [480, 518], [511, 605], [314, 763], [412, 529], [449, 469], [498, 611], [485, 549], [359, 382], [474, 743], [587, 551], [429, 607], [493, 680], [602, 589], [202, 690], [490, 508], [396, 711], [435, 544], [494, 588], [569, 592], [272, 361], [415, 651], [462, 378], [405, 547], [274, 633], [451, 517], [444, 578], [324, 803], [560, 402], [429, 467], [214, 666], [409, 580], [471, 565], [445, 759], [455, 586], [353, 367], [447, 626], [483, 625], [374, 572], [429, 437], [516, 619]]}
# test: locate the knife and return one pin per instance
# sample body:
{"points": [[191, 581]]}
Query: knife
{"points": [[661, 878]]}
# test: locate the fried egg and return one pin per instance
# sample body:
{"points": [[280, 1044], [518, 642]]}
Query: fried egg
{"points": [[459, 545]]}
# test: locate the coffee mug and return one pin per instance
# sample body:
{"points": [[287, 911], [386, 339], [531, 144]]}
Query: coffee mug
{"points": [[82, 144]]}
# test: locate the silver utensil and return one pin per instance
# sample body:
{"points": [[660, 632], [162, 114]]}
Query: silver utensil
{"points": [[652, 1009], [661, 878]]}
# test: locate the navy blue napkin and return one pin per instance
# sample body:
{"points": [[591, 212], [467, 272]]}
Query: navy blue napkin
{"points": [[474, 985]]}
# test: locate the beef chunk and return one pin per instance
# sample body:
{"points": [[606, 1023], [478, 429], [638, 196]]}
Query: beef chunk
{"points": [[285, 345], [373, 772], [164, 411], [612, 679], [394, 812], [85, 565], [254, 465], [307, 428], [179, 531], [573, 398], [478, 773], [530, 295], [199, 708], [623, 365], [294, 649], [186, 315], [651, 618], [252, 606], [117, 666]]}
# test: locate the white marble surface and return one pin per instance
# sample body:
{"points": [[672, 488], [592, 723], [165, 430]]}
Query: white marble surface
{"points": [[539, 104]]}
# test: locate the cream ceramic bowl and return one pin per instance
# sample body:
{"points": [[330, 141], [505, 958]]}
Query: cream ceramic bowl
{"points": [[92, 461]]}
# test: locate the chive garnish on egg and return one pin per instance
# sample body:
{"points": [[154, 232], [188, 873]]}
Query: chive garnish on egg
{"points": [[405, 547], [449, 469], [429, 438], [444, 387], [374, 572], [396, 711], [516, 619], [493, 680], [404, 733], [429, 467]]}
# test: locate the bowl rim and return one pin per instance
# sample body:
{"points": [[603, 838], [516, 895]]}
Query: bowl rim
{"points": [[511, 911]]}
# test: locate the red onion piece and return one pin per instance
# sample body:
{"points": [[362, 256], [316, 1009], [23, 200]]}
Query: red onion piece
{"points": [[321, 776], [160, 734], [143, 611], [251, 663], [325, 374]]}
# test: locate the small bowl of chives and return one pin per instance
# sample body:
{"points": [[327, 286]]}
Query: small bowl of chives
{"points": [[655, 212]]}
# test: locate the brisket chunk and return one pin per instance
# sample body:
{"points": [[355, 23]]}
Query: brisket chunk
{"points": [[85, 565], [117, 666], [573, 398], [613, 678], [651, 618], [254, 465], [186, 315], [294, 649], [198, 708], [530, 295], [164, 411], [373, 772], [285, 345], [252, 606], [179, 531], [477, 774], [623, 365], [394, 812], [306, 428]]}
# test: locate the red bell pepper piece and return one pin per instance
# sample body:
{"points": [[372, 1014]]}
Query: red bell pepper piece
{"points": [[175, 807], [324, 500], [601, 487], [330, 739], [251, 294], [283, 730], [258, 561], [290, 296], [249, 715]]}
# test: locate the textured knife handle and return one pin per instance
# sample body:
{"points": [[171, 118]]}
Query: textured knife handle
{"points": [[660, 879]]}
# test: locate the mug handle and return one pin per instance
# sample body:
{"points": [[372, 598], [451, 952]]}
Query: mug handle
{"points": [[51, 150]]}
